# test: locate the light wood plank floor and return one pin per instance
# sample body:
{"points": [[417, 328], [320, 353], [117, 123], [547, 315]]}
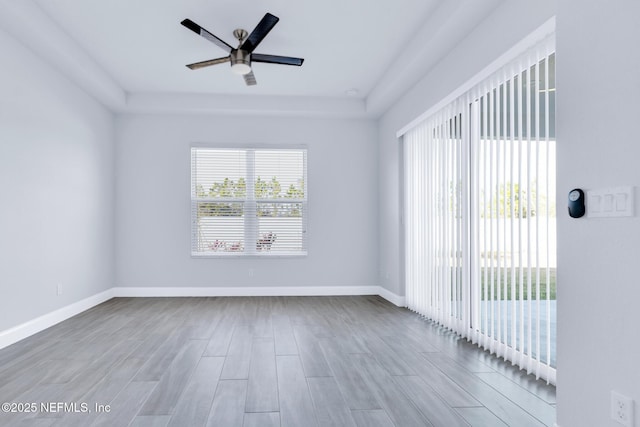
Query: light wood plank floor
{"points": [[262, 361]]}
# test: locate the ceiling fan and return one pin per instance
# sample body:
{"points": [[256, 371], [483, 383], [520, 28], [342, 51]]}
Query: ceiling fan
{"points": [[242, 56]]}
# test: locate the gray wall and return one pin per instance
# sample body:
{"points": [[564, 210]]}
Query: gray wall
{"points": [[598, 74], [153, 208], [56, 189]]}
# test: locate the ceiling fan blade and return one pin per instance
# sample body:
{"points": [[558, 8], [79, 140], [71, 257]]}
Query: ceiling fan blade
{"points": [[250, 79], [208, 63], [206, 34], [265, 25], [275, 59]]}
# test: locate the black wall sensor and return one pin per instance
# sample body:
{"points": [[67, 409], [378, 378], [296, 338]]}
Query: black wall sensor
{"points": [[576, 203]]}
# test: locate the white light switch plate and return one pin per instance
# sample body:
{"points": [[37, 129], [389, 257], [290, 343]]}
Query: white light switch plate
{"points": [[610, 202]]}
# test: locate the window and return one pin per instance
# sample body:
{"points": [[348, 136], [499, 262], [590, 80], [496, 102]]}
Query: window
{"points": [[480, 229], [248, 201]]}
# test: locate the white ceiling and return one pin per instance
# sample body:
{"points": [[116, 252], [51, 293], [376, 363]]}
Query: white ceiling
{"points": [[140, 47]]}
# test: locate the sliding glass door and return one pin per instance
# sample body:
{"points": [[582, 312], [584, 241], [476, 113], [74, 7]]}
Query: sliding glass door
{"points": [[480, 214]]}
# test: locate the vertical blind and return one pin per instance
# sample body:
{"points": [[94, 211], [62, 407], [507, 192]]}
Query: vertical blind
{"points": [[434, 176], [480, 237], [248, 201]]}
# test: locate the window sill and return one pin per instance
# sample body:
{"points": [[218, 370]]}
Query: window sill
{"points": [[245, 255]]}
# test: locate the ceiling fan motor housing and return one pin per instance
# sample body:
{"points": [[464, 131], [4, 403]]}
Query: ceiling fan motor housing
{"points": [[240, 60]]}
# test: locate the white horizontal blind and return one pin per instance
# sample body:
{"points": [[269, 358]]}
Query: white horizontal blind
{"points": [[280, 195], [218, 199], [500, 293], [248, 201]]}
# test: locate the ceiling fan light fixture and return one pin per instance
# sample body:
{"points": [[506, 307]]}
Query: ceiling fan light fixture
{"points": [[240, 68]]}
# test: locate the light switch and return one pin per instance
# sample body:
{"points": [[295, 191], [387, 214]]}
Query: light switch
{"points": [[610, 202], [621, 202], [594, 203]]}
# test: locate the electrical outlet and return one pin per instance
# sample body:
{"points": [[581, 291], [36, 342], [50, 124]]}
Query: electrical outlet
{"points": [[59, 289], [622, 409], [251, 272]]}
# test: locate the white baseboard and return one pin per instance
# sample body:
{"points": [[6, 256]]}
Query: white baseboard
{"points": [[31, 327], [20, 332], [240, 291], [391, 297], [258, 291]]}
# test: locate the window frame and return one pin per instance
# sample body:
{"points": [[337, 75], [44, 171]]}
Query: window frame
{"points": [[250, 204]]}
